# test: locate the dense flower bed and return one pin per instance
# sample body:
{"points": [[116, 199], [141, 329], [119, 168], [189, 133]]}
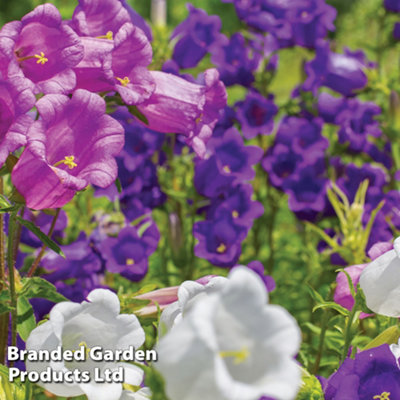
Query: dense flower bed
{"points": [[200, 211]]}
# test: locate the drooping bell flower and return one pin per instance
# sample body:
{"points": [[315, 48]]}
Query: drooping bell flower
{"points": [[72, 145], [179, 106], [344, 73], [165, 297], [44, 48], [16, 99]]}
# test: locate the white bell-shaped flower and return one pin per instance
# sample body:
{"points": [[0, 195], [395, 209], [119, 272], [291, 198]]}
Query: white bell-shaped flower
{"points": [[231, 345], [380, 282], [96, 322]]}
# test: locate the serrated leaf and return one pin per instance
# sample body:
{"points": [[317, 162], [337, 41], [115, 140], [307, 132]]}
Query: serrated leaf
{"points": [[38, 287], [26, 321], [51, 244], [334, 306], [389, 336]]}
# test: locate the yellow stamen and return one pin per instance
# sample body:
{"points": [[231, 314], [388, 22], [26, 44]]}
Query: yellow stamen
{"points": [[69, 161], [108, 35], [124, 82], [130, 261], [41, 58], [383, 396], [227, 169], [240, 356], [221, 248], [235, 214], [87, 349]]}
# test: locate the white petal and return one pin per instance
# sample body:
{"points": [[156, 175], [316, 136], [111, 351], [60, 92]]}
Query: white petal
{"points": [[380, 282], [102, 391], [133, 374], [43, 338], [105, 299]]}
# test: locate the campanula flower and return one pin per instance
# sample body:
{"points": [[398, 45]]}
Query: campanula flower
{"points": [[72, 145]]}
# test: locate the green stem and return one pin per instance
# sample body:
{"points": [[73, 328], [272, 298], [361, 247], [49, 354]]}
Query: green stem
{"points": [[347, 333], [43, 249], [18, 235], [11, 274], [324, 326], [3, 317], [270, 230]]}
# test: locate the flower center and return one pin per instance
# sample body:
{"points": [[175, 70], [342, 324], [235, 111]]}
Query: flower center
{"points": [[198, 119], [87, 348], [41, 59], [235, 214], [130, 261], [383, 396], [108, 35], [68, 161], [221, 248], [240, 356], [124, 81], [227, 169]]}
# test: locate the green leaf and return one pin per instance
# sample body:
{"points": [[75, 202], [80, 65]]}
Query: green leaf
{"points": [[315, 295], [389, 336], [4, 308], [9, 209], [361, 302], [38, 287], [118, 185], [4, 202], [131, 305], [155, 382], [334, 306], [310, 389], [42, 236], [138, 114], [26, 321], [10, 390]]}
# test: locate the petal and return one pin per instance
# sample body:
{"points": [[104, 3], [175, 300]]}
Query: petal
{"points": [[380, 282], [133, 374]]}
